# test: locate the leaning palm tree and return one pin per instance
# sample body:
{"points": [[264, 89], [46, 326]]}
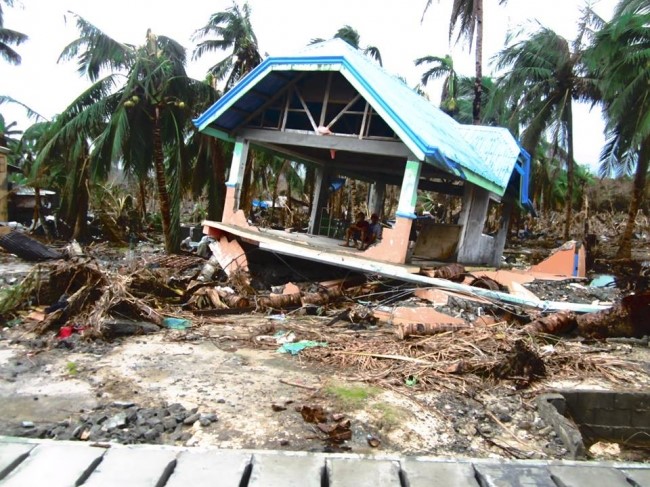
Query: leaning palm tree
{"points": [[233, 31], [9, 38], [619, 58], [350, 35], [138, 113], [467, 15], [438, 67], [544, 76]]}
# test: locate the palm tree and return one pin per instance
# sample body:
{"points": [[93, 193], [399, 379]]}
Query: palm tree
{"points": [[468, 16], [619, 59], [351, 36], [545, 76], [8, 38], [437, 68], [138, 114], [233, 30]]}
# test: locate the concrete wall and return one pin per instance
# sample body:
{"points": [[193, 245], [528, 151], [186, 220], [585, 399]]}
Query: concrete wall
{"points": [[474, 246], [613, 416]]}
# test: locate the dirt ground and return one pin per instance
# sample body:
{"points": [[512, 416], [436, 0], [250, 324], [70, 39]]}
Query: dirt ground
{"points": [[222, 383]]}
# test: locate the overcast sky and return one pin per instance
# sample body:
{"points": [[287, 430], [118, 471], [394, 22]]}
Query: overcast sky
{"points": [[281, 26]]}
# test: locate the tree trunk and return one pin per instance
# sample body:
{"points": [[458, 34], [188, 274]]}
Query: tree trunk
{"points": [[83, 196], [142, 200], [171, 246], [219, 174], [625, 243], [245, 198], [476, 107], [570, 172]]}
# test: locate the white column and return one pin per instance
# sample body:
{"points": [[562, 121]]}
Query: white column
{"points": [[409, 193]]}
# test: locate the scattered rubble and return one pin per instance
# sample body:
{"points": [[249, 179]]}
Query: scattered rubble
{"points": [[447, 346]]}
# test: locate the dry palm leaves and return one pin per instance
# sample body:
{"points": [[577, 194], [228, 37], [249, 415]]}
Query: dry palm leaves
{"points": [[89, 294], [470, 356]]}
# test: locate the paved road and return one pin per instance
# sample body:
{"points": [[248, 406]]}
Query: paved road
{"points": [[31, 463]]}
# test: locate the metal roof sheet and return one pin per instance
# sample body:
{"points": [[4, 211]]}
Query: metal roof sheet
{"points": [[484, 157]]}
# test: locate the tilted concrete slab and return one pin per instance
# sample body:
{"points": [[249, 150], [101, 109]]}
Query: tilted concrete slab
{"points": [[354, 472], [133, 467], [424, 473], [52, 463], [209, 468], [11, 454], [292, 469], [577, 476]]}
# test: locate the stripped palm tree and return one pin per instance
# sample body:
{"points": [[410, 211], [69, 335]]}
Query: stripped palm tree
{"points": [[350, 35], [619, 59], [137, 113], [467, 15], [545, 75], [233, 31], [9, 38], [438, 67]]}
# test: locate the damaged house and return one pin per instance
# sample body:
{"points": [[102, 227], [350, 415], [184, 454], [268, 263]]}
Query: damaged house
{"points": [[333, 108]]}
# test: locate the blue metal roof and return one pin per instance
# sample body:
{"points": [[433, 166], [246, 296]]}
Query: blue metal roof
{"points": [[484, 157]]}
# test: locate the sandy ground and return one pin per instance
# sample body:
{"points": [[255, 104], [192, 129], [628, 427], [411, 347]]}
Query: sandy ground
{"points": [[256, 395]]}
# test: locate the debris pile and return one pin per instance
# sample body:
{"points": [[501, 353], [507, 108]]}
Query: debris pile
{"points": [[124, 422]]}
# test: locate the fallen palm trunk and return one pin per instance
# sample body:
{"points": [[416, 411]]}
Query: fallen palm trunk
{"points": [[27, 248], [628, 318], [554, 324], [409, 329]]}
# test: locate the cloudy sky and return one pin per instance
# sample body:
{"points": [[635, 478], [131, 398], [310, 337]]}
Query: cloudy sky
{"points": [[282, 26]]}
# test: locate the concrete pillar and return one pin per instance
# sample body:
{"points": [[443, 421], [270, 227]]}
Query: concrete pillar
{"points": [[234, 183], [376, 198], [4, 185], [395, 241], [408, 195], [321, 190], [472, 218], [502, 235]]}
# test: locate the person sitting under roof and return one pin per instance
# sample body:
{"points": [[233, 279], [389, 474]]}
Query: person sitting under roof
{"points": [[357, 231], [374, 232]]}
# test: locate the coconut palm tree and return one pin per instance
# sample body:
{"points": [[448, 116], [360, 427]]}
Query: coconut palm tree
{"points": [[233, 31], [619, 60], [544, 76], [351, 36], [438, 67], [9, 38], [138, 114], [467, 15]]}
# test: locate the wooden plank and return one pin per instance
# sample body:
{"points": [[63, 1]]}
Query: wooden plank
{"points": [[587, 476], [422, 473], [639, 475], [11, 455], [54, 465], [209, 468], [287, 470], [338, 142], [506, 475], [133, 467], [354, 472]]}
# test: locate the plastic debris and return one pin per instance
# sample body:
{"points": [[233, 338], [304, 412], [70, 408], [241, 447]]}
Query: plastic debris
{"points": [[603, 281], [297, 347], [176, 323]]}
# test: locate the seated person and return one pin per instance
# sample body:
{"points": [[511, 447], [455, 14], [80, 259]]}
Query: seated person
{"points": [[357, 231], [373, 234]]}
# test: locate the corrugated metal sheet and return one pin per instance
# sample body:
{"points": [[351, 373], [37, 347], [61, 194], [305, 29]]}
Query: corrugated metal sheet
{"points": [[485, 158], [498, 149]]}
